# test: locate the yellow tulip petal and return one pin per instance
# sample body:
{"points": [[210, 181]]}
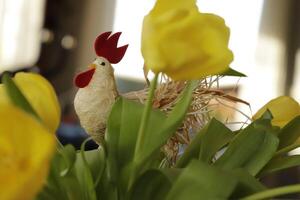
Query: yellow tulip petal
{"points": [[163, 6], [26, 148], [184, 43], [283, 109], [41, 96]]}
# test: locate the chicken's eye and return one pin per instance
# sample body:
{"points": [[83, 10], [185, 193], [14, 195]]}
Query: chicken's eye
{"points": [[100, 62]]}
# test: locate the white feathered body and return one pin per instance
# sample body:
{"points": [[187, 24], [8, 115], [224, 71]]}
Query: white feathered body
{"points": [[94, 102]]}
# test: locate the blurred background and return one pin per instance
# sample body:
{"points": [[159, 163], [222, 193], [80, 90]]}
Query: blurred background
{"points": [[55, 38]]}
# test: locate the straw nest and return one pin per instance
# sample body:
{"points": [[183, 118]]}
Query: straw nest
{"points": [[168, 93]]}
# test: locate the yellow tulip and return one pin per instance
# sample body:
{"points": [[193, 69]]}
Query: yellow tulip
{"points": [[26, 147], [283, 109], [40, 94], [184, 43]]}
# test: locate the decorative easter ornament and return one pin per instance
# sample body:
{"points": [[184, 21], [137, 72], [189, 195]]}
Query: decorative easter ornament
{"points": [[97, 88]]}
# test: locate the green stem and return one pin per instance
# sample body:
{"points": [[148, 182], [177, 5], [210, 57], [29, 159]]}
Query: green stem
{"points": [[287, 149], [145, 118], [274, 192], [141, 132]]}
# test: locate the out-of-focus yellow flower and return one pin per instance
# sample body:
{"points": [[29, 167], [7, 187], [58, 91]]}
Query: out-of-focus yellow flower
{"points": [[183, 43], [26, 147], [40, 94], [283, 109]]}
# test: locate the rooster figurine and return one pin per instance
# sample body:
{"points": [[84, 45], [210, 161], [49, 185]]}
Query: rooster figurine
{"points": [[97, 88]]}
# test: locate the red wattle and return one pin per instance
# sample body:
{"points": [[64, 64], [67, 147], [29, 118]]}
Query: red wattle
{"points": [[83, 79]]}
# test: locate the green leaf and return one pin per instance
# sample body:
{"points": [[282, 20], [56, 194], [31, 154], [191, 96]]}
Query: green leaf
{"points": [[280, 163], [251, 149], [274, 192], [247, 184], [232, 72], [206, 143], [69, 154], [61, 187], [131, 116], [122, 129], [157, 135], [264, 123], [267, 115], [84, 175], [289, 133], [106, 189], [217, 136], [153, 184], [171, 173], [202, 181], [54, 187], [95, 160], [206, 181], [112, 139], [16, 95]]}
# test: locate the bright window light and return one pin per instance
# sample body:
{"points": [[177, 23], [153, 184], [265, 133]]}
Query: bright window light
{"points": [[20, 31], [129, 20]]}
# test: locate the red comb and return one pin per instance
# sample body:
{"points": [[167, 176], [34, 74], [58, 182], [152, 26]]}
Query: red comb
{"points": [[106, 47]]}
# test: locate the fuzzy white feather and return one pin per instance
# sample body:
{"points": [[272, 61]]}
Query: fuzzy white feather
{"points": [[94, 102]]}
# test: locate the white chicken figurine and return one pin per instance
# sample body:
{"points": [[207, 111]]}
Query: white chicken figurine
{"points": [[97, 88]]}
